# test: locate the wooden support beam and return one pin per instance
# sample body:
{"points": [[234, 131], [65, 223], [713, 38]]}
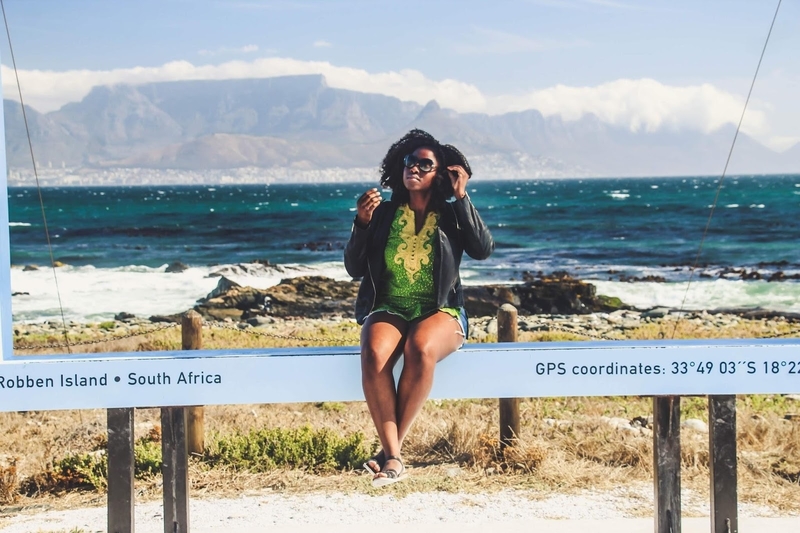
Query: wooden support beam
{"points": [[195, 429], [119, 423], [192, 339], [722, 463], [175, 469], [667, 463], [509, 407]]}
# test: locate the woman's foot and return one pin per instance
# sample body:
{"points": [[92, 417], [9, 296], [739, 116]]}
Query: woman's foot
{"points": [[375, 464], [393, 471]]}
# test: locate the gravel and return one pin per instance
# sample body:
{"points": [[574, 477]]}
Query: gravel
{"points": [[515, 510]]}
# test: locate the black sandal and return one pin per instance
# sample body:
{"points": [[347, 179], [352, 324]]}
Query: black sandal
{"points": [[379, 459], [391, 475]]}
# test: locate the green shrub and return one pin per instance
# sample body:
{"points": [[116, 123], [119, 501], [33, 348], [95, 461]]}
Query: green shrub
{"points": [[331, 407], [259, 451], [307, 448], [90, 470], [147, 458], [81, 471]]}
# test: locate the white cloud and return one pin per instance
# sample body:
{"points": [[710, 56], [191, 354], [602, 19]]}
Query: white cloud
{"points": [[322, 44], [49, 90], [641, 105], [781, 142]]}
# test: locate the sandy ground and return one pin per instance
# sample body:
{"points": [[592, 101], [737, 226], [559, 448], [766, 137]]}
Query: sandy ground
{"points": [[621, 511]]}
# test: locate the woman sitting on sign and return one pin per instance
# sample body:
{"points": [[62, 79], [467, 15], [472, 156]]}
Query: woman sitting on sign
{"points": [[410, 302]]}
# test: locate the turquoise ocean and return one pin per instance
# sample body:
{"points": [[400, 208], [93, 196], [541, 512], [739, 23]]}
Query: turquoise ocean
{"points": [[116, 242]]}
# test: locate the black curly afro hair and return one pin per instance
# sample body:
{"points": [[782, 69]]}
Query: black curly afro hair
{"points": [[453, 156], [391, 168]]}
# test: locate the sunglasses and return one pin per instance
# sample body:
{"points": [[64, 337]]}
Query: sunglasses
{"points": [[424, 164]]}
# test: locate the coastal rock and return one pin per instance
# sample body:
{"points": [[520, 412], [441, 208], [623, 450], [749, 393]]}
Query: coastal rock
{"points": [[557, 295], [305, 296], [318, 297], [257, 321], [123, 316], [232, 303], [313, 297], [781, 276], [176, 318], [649, 278], [223, 285], [695, 425], [656, 312], [28, 268], [175, 267]]}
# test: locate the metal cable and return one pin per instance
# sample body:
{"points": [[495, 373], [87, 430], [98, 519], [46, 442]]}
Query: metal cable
{"points": [[68, 344], [36, 175], [725, 169]]}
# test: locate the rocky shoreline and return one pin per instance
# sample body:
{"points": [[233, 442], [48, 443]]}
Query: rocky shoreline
{"points": [[554, 303], [606, 326]]}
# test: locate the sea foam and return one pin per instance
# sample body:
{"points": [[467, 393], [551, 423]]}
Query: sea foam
{"points": [[90, 294]]}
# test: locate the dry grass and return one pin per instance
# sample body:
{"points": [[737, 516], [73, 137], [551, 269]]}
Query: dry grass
{"points": [[453, 447], [285, 334], [565, 444], [8, 483]]}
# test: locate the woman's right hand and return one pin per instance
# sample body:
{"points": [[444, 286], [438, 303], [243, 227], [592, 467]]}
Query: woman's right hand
{"points": [[366, 204]]}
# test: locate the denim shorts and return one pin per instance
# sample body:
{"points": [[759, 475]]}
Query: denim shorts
{"points": [[462, 320]]}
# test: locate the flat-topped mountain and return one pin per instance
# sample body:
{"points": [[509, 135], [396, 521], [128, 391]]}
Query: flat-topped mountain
{"points": [[299, 122]]}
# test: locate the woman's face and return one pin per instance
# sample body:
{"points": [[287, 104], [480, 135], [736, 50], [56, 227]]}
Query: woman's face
{"points": [[415, 178]]}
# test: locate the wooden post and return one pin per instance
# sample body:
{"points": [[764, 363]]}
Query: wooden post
{"points": [[509, 407], [120, 498], [722, 462], [192, 339], [175, 469], [667, 463]]}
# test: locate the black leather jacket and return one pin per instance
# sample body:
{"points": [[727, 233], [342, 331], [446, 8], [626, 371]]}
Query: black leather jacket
{"points": [[460, 230]]}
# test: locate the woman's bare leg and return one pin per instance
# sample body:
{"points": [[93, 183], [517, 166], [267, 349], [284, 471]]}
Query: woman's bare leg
{"points": [[427, 342], [382, 337]]}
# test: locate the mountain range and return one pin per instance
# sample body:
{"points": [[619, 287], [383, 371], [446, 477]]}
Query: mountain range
{"points": [[298, 122]]}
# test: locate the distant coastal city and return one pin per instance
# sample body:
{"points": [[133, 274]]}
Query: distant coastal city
{"points": [[486, 167], [113, 177]]}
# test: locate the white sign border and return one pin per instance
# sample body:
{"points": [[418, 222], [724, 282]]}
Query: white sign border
{"points": [[6, 339]]}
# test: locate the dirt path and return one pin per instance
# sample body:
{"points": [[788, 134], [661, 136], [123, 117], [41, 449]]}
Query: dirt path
{"points": [[622, 510]]}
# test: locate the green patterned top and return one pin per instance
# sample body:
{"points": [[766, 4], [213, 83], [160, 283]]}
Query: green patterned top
{"points": [[407, 286]]}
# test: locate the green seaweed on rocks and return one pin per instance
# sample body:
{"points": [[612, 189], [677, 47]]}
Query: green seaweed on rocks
{"points": [[610, 303]]}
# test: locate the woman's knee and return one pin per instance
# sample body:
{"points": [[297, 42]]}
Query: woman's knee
{"points": [[374, 362], [420, 358]]}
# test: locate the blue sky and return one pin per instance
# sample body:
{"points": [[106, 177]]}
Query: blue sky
{"points": [[643, 64]]}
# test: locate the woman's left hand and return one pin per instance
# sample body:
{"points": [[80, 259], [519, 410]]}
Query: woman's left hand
{"points": [[458, 177]]}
